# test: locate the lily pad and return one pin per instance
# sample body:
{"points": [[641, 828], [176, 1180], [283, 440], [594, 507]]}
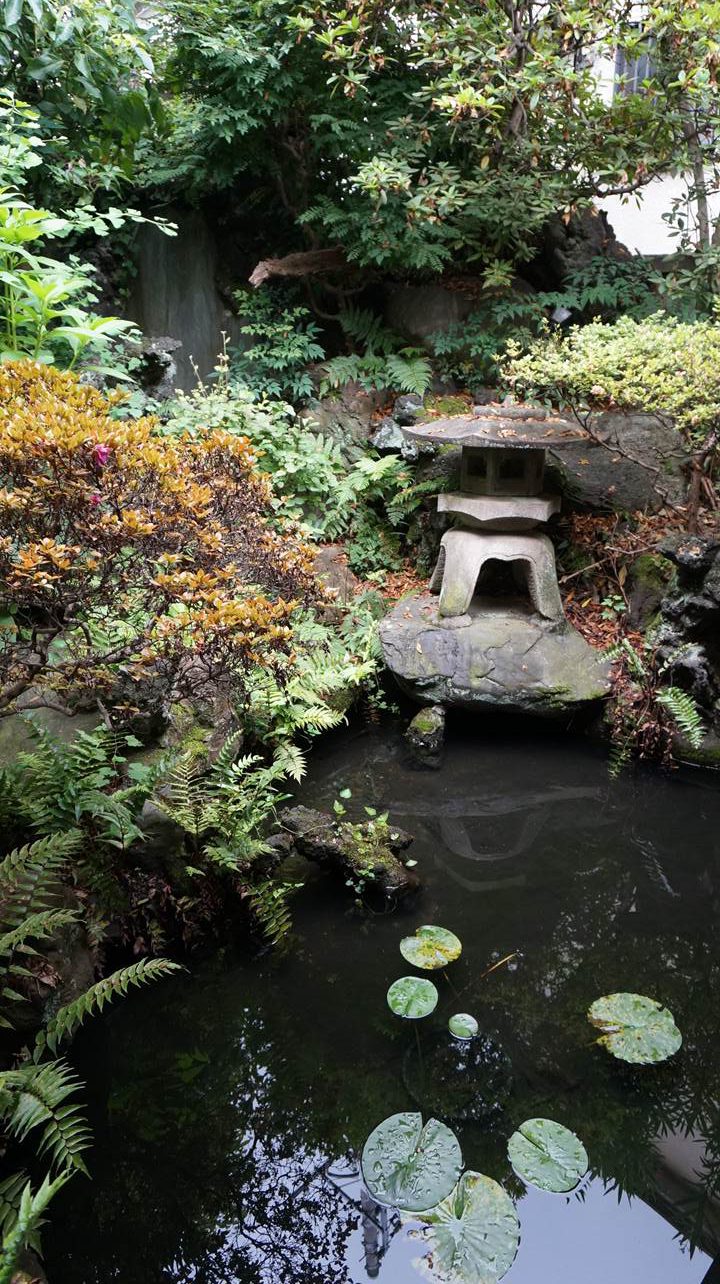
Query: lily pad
{"points": [[546, 1154], [463, 1026], [474, 1233], [410, 1166], [431, 947], [635, 1028], [413, 997]]}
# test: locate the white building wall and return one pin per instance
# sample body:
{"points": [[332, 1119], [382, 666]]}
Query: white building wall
{"points": [[637, 220]]}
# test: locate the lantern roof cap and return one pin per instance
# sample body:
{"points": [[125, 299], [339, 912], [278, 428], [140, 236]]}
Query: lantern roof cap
{"points": [[507, 427]]}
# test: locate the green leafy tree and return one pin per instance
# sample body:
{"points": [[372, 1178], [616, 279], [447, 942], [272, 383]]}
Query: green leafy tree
{"points": [[87, 71]]}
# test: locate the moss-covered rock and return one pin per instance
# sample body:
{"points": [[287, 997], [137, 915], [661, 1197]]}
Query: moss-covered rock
{"points": [[366, 854]]}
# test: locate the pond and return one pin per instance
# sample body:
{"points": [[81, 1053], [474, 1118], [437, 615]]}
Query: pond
{"points": [[230, 1106]]}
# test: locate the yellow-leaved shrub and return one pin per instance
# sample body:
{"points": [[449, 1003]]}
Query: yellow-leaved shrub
{"points": [[130, 560]]}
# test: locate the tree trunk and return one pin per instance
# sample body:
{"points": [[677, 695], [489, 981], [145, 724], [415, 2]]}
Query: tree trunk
{"points": [[698, 171]]}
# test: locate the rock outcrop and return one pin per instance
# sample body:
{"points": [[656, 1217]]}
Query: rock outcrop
{"points": [[499, 656]]}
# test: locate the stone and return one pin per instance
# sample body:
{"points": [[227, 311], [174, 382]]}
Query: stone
{"points": [[407, 409], [488, 512], [688, 635], [463, 554], [346, 417], [417, 312], [341, 847], [496, 656], [569, 244], [600, 477], [157, 370], [647, 584], [331, 568], [692, 554], [426, 735], [16, 730], [388, 438]]}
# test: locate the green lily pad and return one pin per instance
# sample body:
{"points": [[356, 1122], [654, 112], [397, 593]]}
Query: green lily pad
{"points": [[474, 1233], [431, 947], [546, 1154], [410, 1166], [463, 1026], [413, 997], [635, 1028]]}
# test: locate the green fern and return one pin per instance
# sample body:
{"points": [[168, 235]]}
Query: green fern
{"points": [[384, 362], [59, 786], [29, 1216], [29, 876], [269, 904], [684, 712], [68, 1019], [36, 927], [36, 1096], [29, 884], [631, 657], [11, 1189]]}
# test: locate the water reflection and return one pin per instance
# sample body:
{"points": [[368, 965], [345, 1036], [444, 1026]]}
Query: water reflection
{"points": [[230, 1108]]}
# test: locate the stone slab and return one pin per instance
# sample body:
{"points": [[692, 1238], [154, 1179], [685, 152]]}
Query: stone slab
{"points": [[497, 656], [502, 513], [505, 427]]}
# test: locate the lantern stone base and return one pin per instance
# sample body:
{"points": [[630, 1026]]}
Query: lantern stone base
{"points": [[498, 655]]}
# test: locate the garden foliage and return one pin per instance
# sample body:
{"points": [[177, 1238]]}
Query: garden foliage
{"points": [[129, 560]]}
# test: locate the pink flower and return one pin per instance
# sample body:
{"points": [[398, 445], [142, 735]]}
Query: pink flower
{"points": [[95, 499], [101, 454]]}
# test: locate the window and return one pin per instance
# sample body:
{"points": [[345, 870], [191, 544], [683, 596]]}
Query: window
{"points": [[631, 72]]}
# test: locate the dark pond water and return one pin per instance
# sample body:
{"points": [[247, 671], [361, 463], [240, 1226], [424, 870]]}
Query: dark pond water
{"points": [[229, 1106]]}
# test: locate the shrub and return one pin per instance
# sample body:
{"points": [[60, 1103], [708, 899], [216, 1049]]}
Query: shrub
{"points": [[660, 365], [312, 482], [307, 469], [126, 559], [285, 344]]}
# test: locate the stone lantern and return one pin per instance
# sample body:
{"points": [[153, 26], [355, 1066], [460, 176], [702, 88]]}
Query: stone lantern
{"points": [[492, 629]]}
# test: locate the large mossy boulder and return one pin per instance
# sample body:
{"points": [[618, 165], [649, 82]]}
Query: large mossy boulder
{"points": [[498, 656]]}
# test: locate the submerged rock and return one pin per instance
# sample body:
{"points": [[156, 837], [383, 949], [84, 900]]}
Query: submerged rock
{"points": [[495, 656], [426, 735], [359, 852]]}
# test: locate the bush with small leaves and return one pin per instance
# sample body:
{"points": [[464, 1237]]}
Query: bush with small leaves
{"points": [[128, 560]]}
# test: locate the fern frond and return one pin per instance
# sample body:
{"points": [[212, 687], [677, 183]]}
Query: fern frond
{"points": [[36, 927], [29, 876], [70, 1017], [29, 1217], [291, 761], [684, 712], [269, 903], [620, 754], [184, 796], [409, 373], [37, 1097], [11, 1189]]}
